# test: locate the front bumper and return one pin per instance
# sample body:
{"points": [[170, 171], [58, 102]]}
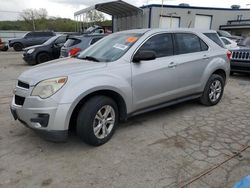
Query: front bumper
{"points": [[240, 66], [29, 58], [44, 116]]}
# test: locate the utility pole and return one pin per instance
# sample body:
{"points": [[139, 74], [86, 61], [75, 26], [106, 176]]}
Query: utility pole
{"points": [[33, 21]]}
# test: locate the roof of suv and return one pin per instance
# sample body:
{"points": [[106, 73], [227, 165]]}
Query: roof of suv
{"points": [[168, 30]]}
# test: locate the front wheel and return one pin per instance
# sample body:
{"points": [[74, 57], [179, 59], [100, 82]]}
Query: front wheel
{"points": [[17, 47], [97, 120], [42, 57], [213, 91]]}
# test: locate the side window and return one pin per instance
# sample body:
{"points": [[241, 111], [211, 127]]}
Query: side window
{"points": [[60, 40], [204, 46], [214, 37], [29, 35], [94, 40], [186, 43], [36, 34], [161, 44]]}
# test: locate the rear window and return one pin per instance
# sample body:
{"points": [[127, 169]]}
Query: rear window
{"points": [[40, 34], [214, 37], [71, 42]]}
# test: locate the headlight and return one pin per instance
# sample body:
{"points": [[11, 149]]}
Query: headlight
{"points": [[47, 88], [30, 51]]}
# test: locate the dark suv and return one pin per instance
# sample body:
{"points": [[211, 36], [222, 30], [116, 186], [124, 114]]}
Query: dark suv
{"points": [[47, 51], [30, 39]]}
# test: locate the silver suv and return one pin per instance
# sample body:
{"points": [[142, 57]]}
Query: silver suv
{"points": [[122, 75]]}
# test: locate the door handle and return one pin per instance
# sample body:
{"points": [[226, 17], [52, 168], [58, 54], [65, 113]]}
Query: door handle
{"points": [[172, 65], [205, 57]]}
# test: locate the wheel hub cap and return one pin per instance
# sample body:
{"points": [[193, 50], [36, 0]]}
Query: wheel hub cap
{"points": [[104, 121], [215, 91]]}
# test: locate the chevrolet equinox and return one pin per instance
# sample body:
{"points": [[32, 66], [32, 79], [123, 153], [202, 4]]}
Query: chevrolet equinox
{"points": [[122, 75]]}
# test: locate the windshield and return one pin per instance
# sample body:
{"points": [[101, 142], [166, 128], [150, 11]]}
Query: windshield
{"points": [[245, 42], [224, 33], [111, 48], [50, 40]]}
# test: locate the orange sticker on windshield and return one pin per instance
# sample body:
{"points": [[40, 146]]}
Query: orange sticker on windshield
{"points": [[131, 39]]}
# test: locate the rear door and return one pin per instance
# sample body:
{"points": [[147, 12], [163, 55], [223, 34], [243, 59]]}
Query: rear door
{"points": [[192, 58]]}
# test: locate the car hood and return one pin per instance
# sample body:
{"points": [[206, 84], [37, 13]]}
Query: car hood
{"points": [[242, 48], [15, 39], [57, 68], [36, 46]]}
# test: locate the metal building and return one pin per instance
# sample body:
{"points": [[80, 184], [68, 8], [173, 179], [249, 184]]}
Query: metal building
{"points": [[126, 16]]}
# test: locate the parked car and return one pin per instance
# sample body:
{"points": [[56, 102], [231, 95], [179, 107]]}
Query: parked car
{"points": [[123, 75], [240, 58], [3, 45], [30, 39], [230, 44], [47, 51], [245, 42], [75, 44], [226, 34]]}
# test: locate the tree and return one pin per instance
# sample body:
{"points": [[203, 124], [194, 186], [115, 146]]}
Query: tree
{"points": [[95, 16], [30, 15]]}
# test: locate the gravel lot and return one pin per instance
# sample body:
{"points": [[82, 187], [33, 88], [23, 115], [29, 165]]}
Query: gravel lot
{"points": [[172, 147]]}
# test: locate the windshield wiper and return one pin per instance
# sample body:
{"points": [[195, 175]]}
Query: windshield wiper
{"points": [[90, 58]]}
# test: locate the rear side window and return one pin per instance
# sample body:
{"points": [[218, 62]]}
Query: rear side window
{"points": [[214, 37], [47, 34], [204, 46], [71, 42], [187, 43], [94, 40], [161, 44]]}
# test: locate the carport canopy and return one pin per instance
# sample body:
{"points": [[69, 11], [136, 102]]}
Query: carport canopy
{"points": [[114, 8]]}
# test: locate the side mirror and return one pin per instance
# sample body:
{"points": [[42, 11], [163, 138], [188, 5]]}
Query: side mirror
{"points": [[144, 55]]}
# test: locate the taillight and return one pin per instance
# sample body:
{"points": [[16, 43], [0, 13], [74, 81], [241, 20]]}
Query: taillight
{"points": [[74, 51], [229, 55]]}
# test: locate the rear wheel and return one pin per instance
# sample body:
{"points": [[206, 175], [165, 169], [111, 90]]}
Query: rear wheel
{"points": [[43, 57], [213, 90], [5, 48], [18, 47], [97, 120]]}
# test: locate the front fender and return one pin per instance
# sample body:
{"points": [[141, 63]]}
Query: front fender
{"points": [[80, 88]]}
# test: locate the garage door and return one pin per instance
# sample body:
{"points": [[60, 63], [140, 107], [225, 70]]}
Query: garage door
{"points": [[168, 22], [202, 22]]}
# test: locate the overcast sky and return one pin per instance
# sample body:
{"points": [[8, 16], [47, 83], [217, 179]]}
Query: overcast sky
{"points": [[66, 8]]}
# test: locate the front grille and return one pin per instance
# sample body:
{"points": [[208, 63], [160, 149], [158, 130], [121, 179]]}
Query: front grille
{"points": [[19, 100], [23, 85], [238, 55]]}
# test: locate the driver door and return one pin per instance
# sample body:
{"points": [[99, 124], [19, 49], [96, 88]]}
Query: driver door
{"points": [[155, 81], [56, 49]]}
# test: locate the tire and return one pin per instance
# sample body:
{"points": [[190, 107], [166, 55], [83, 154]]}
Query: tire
{"points": [[88, 119], [42, 57], [17, 47], [213, 91], [5, 49]]}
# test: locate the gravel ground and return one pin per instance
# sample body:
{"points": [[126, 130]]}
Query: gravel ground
{"points": [[186, 144]]}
